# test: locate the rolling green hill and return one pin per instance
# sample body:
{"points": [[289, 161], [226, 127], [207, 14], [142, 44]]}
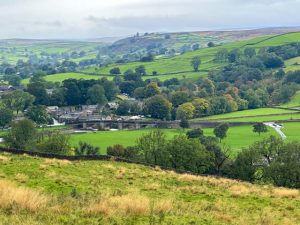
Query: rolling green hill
{"points": [[15, 49], [182, 62], [180, 66], [50, 191]]}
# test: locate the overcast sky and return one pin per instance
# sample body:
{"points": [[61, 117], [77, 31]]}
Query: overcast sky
{"points": [[106, 18]]}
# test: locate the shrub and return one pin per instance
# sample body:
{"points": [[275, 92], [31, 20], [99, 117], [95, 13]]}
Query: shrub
{"points": [[86, 149], [116, 150]]}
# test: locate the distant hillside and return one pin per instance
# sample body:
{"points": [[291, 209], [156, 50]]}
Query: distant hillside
{"points": [[50, 191], [180, 65], [178, 40]]}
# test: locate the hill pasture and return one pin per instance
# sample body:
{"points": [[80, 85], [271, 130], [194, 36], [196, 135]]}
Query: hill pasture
{"points": [[50, 191]]}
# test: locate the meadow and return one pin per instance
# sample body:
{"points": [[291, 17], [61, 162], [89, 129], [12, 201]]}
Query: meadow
{"points": [[292, 64], [237, 137], [60, 77], [263, 118], [20, 49], [49, 191], [292, 130], [250, 113]]}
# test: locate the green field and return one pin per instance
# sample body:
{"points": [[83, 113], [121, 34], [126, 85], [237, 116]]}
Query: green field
{"points": [[292, 64], [292, 131], [237, 137], [249, 113], [19, 49], [265, 118], [294, 102], [48, 191], [103, 139], [64, 76]]}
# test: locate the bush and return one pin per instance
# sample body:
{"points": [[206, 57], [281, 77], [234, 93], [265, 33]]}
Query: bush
{"points": [[86, 149], [55, 143], [195, 133], [116, 150]]}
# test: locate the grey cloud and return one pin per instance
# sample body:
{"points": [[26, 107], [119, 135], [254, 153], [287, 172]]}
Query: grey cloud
{"points": [[95, 18], [55, 23]]}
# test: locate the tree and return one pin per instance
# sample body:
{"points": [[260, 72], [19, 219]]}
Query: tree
{"points": [[201, 105], [17, 100], [151, 89], [115, 71], [141, 70], [130, 75], [195, 133], [96, 95], [158, 107], [210, 44], [179, 97], [152, 147], [55, 142], [38, 114], [185, 110], [22, 133], [72, 92], [38, 90], [285, 168], [221, 131], [260, 128], [195, 47], [13, 80], [249, 52], [6, 116], [196, 61], [234, 55], [188, 154], [271, 60], [221, 55], [243, 167], [128, 87], [110, 88], [184, 123], [123, 109], [85, 148]]}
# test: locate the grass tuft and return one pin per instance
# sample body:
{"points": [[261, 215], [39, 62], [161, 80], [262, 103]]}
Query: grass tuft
{"points": [[285, 193], [12, 197]]}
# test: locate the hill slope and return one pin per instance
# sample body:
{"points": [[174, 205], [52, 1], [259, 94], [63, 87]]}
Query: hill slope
{"points": [[182, 63], [44, 191]]}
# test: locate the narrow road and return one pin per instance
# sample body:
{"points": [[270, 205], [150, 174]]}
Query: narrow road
{"points": [[277, 128]]}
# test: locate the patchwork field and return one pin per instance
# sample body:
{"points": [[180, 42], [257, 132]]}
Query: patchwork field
{"points": [[182, 62], [48, 191]]}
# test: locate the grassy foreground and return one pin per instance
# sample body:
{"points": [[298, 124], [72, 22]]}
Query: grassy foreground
{"points": [[48, 191]]}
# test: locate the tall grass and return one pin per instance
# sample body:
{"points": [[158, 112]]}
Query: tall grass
{"points": [[12, 197]]}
